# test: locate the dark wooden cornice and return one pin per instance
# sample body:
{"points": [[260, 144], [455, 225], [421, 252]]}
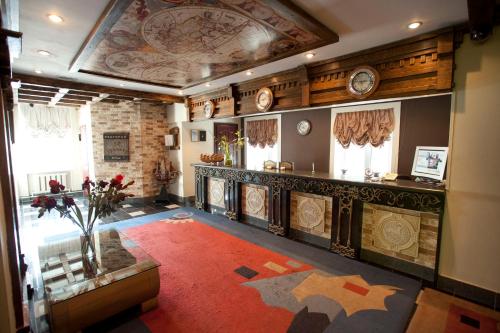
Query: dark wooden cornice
{"points": [[85, 87]]}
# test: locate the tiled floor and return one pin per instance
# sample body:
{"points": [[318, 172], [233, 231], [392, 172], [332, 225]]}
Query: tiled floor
{"points": [[35, 232]]}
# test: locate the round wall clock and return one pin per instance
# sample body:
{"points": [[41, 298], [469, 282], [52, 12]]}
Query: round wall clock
{"points": [[208, 109], [304, 127], [264, 99], [362, 82]]}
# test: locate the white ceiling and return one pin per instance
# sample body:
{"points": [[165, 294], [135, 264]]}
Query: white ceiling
{"points": [[360, 24]]}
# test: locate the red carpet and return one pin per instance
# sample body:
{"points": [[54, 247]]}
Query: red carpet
{"points": [[200, 292]]}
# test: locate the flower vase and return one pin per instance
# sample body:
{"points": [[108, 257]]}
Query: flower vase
{"points": [[227, 157], [89, 259]]}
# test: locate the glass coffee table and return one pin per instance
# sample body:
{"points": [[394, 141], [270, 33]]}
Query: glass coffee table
{"points": [[88, 282]]}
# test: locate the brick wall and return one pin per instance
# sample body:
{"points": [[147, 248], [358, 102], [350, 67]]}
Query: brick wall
{"points": [[147, 125]]}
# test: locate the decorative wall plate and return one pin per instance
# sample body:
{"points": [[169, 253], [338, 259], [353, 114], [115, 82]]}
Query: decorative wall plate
{"points": [[362, 82], [304, 127], [264, 99], [208, 109]]}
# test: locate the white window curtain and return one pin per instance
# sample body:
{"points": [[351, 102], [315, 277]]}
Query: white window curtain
{"points": [[46, 121]]}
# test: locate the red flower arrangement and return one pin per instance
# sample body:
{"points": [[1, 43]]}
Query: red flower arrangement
{"points": [[103, 199]]}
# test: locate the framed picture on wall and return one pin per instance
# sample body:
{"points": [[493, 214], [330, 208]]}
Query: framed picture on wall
{"points": [[430, 162], [195, 135], [116, 147]]}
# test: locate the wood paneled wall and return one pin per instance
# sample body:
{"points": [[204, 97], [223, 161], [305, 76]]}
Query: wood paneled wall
{"points": [[416, 66]]}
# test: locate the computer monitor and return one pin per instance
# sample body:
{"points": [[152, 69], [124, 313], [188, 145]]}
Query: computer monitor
{"points": [[430, 162]]}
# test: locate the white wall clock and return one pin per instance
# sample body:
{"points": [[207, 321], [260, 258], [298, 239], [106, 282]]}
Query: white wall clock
{"points": [[208, 109], [304, 127], [264, 99], [362, 82]]}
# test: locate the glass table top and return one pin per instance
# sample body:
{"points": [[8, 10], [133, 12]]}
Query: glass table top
{"points": [[75, 266]]}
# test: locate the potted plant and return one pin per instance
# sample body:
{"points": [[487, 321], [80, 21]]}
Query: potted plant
{"points": [[225, 144]]}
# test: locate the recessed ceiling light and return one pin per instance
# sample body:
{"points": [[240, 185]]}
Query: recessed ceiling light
{"points": [[122, 85], [44, 53], [180, 92], [38, 71], [248, 73], [310, 55], [414, 25], [55, 18], [207, 84]]}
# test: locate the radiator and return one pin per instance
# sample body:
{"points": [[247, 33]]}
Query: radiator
{"points": [[39, 182]]}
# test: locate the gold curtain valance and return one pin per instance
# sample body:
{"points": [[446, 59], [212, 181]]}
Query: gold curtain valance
{"points": [[262, 132], [364, 127]]}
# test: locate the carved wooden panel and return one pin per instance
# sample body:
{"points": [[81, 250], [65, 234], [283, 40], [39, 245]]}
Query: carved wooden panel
{"points": [[254, 201], [290, 90], [222, 98], [401, 233], [311, 213], [420, 65], [216, 192]]}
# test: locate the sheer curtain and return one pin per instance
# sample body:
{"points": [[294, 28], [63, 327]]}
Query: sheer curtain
{"points": [[45, 121], [46, 141]]}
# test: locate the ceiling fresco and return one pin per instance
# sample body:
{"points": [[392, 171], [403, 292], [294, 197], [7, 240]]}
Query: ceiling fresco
{"points": [[183, 43]]}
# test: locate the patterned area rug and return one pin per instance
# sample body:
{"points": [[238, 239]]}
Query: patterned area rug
{"points": [[441, 313], [212, 281]]}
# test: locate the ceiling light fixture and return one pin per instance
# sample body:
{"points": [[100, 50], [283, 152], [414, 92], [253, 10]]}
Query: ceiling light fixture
{"points": [[122, 85], [55, 18], [248, 73], [414, 25], [310, 55], [207, 84], [38, 71], [180, 92], [43, 53]]}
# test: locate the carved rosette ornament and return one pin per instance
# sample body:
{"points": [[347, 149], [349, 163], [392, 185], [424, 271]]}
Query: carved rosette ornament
{"points": [[311, 213], [255, 201], [396, 232], [216, 192]]}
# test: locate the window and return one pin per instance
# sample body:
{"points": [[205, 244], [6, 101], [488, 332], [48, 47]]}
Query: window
{"points": [[255, 155], [356, 159]]}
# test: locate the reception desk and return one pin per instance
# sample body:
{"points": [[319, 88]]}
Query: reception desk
{"points": [[393, 224]]}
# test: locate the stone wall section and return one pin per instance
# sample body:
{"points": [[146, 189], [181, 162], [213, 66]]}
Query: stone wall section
{"points": [[147, 125]]}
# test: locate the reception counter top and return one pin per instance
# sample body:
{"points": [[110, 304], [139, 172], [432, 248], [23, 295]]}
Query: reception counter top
{"points": [[397, 184], [392, 223]]}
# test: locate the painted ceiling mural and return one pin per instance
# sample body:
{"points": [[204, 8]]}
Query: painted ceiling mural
{"points": [[182, 43]]}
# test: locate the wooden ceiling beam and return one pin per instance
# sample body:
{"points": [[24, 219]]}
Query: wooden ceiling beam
{"points": [[125, 98], [38, 88], [110, 100], [34, 98], [83, 93], [71, 101], [68, 104], [49, 82], [78, 97], [35, 93], [20, 100]]}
